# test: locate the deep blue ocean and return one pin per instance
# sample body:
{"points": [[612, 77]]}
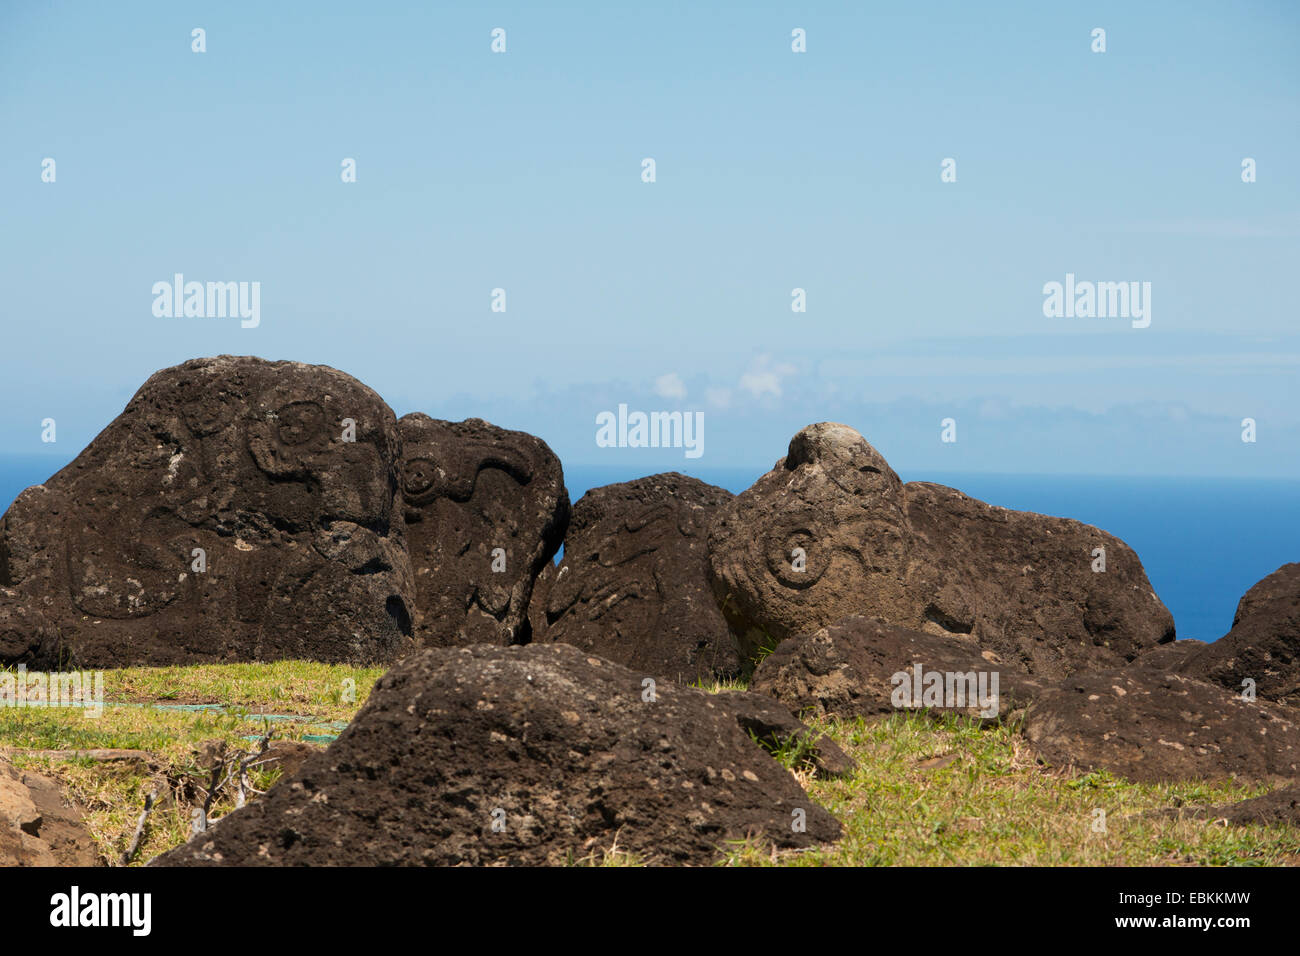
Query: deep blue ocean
{"points": [[1203, 541]]}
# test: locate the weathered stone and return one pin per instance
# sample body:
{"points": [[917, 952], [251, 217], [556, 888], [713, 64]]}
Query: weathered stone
{"points": [[832, 532], [1152, 727], [633, 584], [1263, 645], [26, 637], [850, 670], [37, 827], [561, 751], [1169, 658], [485, 510], [1281, 806], [237, 510], [770, 723]]}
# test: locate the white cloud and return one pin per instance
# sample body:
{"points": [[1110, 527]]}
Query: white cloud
{"points": [[764, 378], [670, 386], [719, 397]]}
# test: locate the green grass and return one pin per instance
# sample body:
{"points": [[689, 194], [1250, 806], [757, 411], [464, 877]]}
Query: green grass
{"points": [[112, 794], [925, 792], [992, 804]]}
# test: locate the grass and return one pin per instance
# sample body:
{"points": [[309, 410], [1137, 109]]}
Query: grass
{"points": [[925, 792], [935, 792], [112, 794]]}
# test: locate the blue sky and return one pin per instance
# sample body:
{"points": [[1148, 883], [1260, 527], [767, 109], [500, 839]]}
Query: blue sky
{"points": [[775, 170]]}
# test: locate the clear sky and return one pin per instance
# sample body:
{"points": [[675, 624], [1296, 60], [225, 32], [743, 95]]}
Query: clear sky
{"points": [[775, 170]]}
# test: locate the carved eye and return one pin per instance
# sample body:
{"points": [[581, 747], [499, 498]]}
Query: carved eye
{"points": [[798, 552], [300, 422], [418, 475]]}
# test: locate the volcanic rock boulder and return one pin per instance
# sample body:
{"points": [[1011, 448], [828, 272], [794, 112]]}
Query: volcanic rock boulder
{"points": [[36, 827], [832, 532], [1169, 658], [1280, 806], [633, 585], [26, 637], [863, 667], [1151, 727], [520, 755], [237, 510], [774, 727], [20, 823], [1027, 585], [486, 509], [1263, 645]]}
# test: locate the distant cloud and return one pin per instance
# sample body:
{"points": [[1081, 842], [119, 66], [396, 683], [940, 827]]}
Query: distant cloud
{"points": [[764, 377], [718, 397], [670, 386]]}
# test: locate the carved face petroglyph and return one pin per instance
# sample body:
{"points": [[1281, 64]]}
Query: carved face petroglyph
{"points": [[811, 535]]}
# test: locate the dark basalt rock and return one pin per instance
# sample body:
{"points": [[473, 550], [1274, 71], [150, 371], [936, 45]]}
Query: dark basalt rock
{"points": [[831, 532], [251, 462], [633, 586], [1152, 727], [847, 670], [772, 725], [1169, 658], [561, 750], [26, 637], [485, 510], [1279, 807], [1264, 643]]}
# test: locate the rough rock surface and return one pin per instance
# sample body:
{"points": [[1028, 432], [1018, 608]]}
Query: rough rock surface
{"points": [[36, 827], [633, 584], [26, 637], [832, 532], [1280, 806], [485, 510], [249, 461], [847, 670], [1264, 643], [1152, 727], [773, 725], [1169, 658], [560, 750]]}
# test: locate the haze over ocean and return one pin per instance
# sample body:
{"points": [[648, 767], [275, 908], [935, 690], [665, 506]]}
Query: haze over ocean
{"points": [[1203, 541]]}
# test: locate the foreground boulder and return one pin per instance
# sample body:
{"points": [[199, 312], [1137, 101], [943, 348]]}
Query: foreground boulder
{"points": [[1152, 727], [237, 510], [36, 827], [485, 511], [863, 667], [633, 584], [832, 532], [1263, 645], [521, 755]]}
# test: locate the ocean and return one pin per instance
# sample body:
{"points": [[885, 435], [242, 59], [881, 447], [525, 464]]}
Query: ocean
{"points": [[1203, 541]]}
